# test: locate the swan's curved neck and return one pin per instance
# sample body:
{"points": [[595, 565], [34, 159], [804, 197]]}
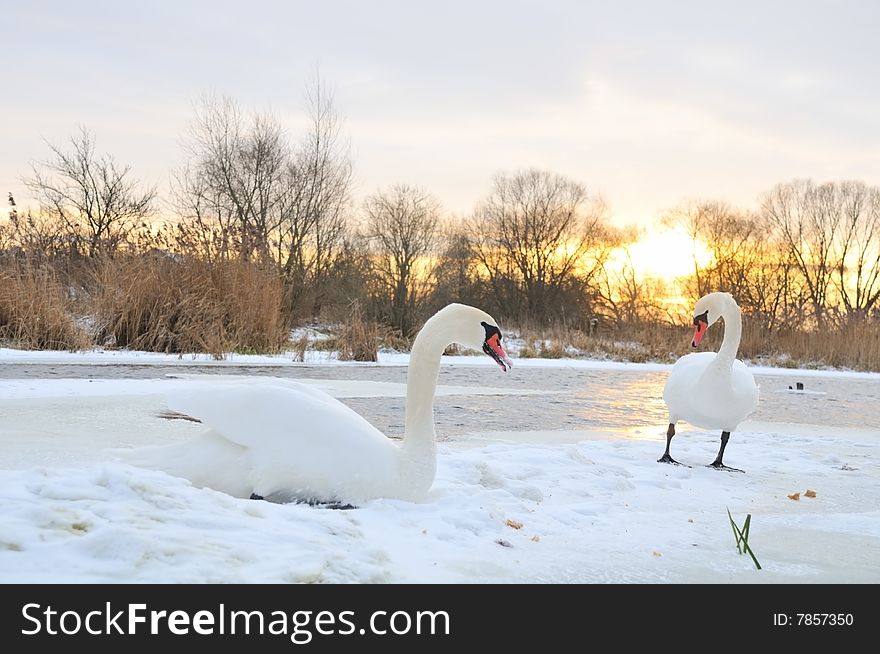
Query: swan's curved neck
{"points": [[421, 383], [419, 458], [732, 335]]}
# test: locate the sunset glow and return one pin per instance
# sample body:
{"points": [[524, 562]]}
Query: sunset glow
{"points": [[665, 255]]}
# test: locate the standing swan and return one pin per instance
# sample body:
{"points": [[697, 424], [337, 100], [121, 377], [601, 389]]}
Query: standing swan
{"points": [[708, 390], [285, 441]]}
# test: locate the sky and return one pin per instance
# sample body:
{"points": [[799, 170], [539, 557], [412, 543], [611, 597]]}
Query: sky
{"points": [[647, 104]]}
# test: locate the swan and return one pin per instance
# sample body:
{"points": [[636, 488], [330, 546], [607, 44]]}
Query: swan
{"points": [[711, 390], [285, 441]]}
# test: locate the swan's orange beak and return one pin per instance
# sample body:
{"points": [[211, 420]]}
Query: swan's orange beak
{"points": [[700, 329], [492, 347]]}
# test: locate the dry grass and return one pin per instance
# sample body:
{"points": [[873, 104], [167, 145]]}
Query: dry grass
{"points": [[542, 348], [163, 304], [845, 347], [299, 347], [855, 346], [358, 340], [34, 309]]}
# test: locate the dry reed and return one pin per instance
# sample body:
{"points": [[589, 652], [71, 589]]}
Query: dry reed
{"points": [[34, 309], [359, 338], [163, 304], [855, 346]]}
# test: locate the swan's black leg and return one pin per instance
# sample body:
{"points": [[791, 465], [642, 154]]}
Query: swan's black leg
{"points": [[667, 458], [254, 496], [717, 463]]}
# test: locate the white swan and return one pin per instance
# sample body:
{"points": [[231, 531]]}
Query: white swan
{"points": [[285, 441], [709, 390]]}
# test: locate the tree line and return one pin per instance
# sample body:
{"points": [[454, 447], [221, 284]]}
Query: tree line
{"points": [[538, 249]]}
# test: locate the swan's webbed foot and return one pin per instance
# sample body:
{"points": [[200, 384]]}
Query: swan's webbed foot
{"points": [[254, 496], [717, 463], [666, 458], [720, 466]]}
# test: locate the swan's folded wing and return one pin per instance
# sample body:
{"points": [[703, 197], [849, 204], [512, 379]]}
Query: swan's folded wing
{"points": [[744, 382], [273, 412]]}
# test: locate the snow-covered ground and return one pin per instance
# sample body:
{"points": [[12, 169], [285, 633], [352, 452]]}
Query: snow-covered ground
{"points": [[518, 504], [100, 357]]}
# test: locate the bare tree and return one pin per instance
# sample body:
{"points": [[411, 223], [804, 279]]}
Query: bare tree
{"points": [[402, 226], [246, 191], [749, 259], [808, 218], [731, 236], [206, 228], [456, 274], [626, 296], [94, 198], [857, 274], [537, 236], [315, 202], [235, 174]]}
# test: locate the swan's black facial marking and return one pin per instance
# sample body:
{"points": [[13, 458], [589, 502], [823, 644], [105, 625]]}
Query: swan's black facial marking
{"points": [[492, 346], [701, 324], [491, 330]]}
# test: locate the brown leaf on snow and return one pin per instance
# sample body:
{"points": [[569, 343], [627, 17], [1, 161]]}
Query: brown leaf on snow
{"points": [[513, 524], [794, 496], [809, 493], [656, 553]]}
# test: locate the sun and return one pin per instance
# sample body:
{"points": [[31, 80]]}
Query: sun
{"points": [[665, 255]]}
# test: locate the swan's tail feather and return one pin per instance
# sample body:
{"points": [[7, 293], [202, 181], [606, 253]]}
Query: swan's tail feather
{"points": [[176, 415]]}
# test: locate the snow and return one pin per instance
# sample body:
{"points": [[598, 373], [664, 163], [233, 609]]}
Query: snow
{"points": [[313, 357], [595, 511], [593, 504]]}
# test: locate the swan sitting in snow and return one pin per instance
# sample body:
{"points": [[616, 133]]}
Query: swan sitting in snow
{"points": [[711, 390], [285, 441]]}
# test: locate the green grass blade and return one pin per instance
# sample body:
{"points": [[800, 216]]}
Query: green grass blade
{"points": [[742, 537], [736, 533], [752, 554]]}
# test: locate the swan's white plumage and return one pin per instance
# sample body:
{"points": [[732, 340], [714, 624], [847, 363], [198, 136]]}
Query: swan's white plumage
{"points": [[708, 389], [705, 397], [266, 433], [285, 440]]}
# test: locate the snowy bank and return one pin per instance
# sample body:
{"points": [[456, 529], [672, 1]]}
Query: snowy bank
{"points": [[312, 357], [596, 511]]}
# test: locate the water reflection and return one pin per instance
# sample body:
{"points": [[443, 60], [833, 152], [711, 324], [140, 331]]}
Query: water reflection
{"points": [[627, 402], [623, 401]]}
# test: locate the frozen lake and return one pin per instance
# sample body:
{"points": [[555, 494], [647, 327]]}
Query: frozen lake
{"points": [[545, 474], [625, 401]]}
